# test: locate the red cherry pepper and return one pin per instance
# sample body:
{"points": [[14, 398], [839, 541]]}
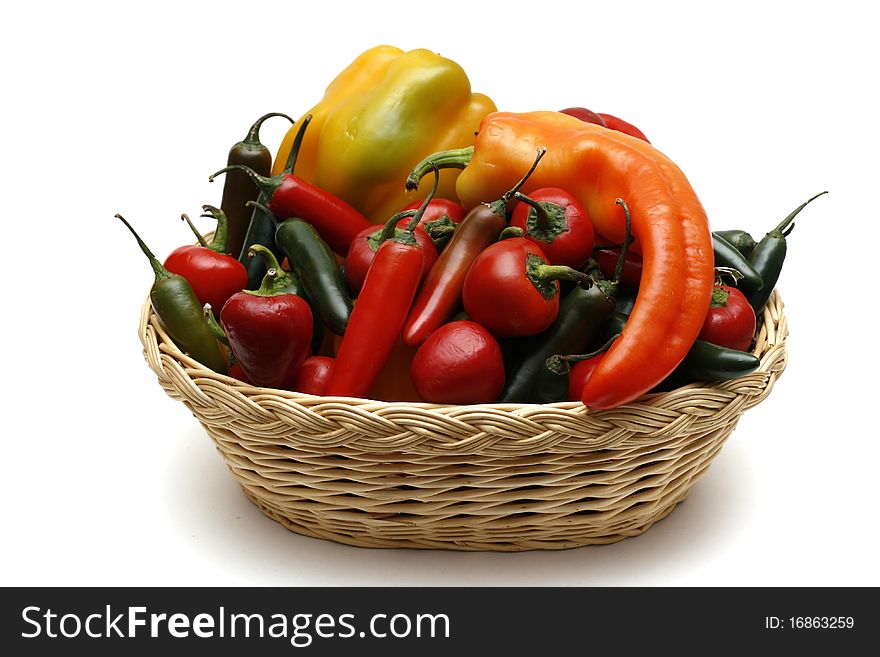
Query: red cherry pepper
{"points": [[269, 333], [213, 275], [291, 196], [558, 223], [314, 375], [607, 258], [623, 126], [731, 320], [363, 249], [584, 114], [513, 291], [382, 307], [460, 363]]}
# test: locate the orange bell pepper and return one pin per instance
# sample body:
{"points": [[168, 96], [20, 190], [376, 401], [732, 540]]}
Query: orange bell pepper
{"points": [[598, 166]]}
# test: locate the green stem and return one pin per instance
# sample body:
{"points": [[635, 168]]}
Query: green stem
{"points": [[266, 185], [214, 325], [158, 269], [499, 207], [297, 142], [253, 135], [511, 231], [199, 237], [417, 217], [542, 218], [627, 240], [221, 233], [561, 365], [455, 158], [780, 230], [389, 228], [562, 273], [268, 256]]}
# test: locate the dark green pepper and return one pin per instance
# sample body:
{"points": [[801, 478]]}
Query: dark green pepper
{"points": [[709, 362], [180, 312], [769, 254], [727, 255], [315, 265], [741, 240], [238, 189]]}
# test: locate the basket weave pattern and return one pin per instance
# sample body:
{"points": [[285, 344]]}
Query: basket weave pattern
{"points": [[501, 477]]}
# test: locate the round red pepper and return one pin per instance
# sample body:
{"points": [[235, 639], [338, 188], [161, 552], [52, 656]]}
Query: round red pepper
{"points": [[213, 275], [623, 126], [314, 375], [558, 223], [459, 363], [269, 334], [579, 374], [437, 209], [512, 290], [584, 114], [731, 320]]}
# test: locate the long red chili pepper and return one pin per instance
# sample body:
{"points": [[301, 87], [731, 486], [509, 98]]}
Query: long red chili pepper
{"points": [[382, 306], [288, 195], [441, 292]]}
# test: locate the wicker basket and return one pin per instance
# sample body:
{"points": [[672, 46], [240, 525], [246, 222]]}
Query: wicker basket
{"points": [[503, 477]]}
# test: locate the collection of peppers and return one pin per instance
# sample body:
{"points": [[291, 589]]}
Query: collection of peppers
{"points": [[558, 256]]}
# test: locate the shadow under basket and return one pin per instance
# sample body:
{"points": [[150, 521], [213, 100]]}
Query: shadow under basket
{"points": [[500, 477]]}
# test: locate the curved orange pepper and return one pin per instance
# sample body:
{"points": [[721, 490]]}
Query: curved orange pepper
{"points": [[598, 166]]}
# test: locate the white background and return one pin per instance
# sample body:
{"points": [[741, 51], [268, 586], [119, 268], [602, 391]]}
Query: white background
{"points": [[128, 108]]}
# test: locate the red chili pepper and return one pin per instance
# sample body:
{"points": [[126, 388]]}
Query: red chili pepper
{"points": [[731, 320], [558, 223], [363, 249], [512, 290], [213, 275], [291, 196], [622, 126], [584, 114], [269, 333], [441, 292], [608, 257], [314, 375], [383, 304], [460, 363]]}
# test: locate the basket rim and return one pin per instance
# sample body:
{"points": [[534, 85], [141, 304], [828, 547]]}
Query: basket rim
{"points": [[770, 347]]}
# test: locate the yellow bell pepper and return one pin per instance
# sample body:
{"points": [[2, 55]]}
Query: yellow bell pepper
{"points": [[380, 117]]}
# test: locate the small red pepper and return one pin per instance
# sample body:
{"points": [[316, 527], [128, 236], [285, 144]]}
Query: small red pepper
{"points": [[269, 333], [584, 114], [607, 258], [213, 275], [579, 374], [623, 126], [731, 320], [513, 291], [363, 249], [314, 375], [441, 292], [291, 196], [558, 223], [460, 363], [383, 304]]}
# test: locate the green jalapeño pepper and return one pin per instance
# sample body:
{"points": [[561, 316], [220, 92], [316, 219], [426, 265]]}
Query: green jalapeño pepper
{"points": [[177, 307]]}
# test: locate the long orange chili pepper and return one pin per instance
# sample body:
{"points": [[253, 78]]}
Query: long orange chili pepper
{"points": [[669, 224], [382, 306]]}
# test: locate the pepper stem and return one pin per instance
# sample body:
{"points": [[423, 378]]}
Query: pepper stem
{"points": [[253, 135], [158, 269], [627, 240], [267, 283], [389, 229], [297, 143], [214, 325], [786, 223], [454, 158], [218, 244], [511, 231], [543, 276], [417, 217], [543, 220], [262, 208], [266, 185], [561, 365], [735, 274], [267, 255], [499, 207], [195, 231]]}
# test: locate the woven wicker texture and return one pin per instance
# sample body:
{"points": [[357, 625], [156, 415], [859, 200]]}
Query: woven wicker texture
{"points": [[503, 477]]}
